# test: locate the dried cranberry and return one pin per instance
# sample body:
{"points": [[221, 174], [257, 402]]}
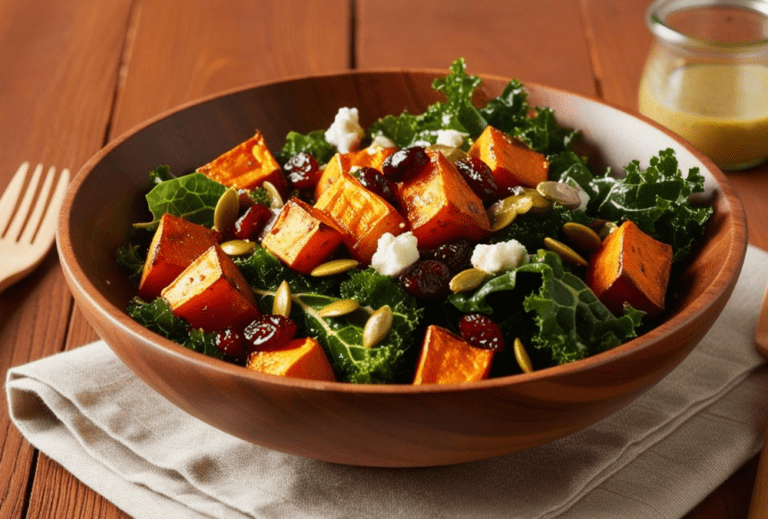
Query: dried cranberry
{"points": [[375, 182], [268, 332], [455, 254], [230, 342], [480, 331], [404, 162], [479, 177], [302, 170], [427, 279], [252, 222]]}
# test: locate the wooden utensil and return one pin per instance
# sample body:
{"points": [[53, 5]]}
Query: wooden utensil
{"points": [[758, 507]]}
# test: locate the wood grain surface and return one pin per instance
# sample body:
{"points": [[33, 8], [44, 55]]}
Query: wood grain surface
{"points": [[74, 74]]}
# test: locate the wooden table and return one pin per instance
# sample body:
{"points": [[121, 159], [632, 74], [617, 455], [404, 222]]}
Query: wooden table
{"points": [[74, 74]]}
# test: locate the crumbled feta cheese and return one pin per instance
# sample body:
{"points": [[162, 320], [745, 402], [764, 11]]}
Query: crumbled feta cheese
{"points": [[451, 138], [422, 142], [499, 257], [583, 196], [382, 142], [345, 133], [395, 253]]}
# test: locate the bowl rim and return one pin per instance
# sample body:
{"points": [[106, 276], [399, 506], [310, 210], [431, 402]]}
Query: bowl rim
{"points": [[118, 318]]}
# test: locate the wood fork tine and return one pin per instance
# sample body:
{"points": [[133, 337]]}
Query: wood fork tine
{"points": [[21, 214], [47, 231], [11, 196], [39, 210]]}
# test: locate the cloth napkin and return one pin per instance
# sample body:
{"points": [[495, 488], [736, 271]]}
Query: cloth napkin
{"points": [[657, 457]]}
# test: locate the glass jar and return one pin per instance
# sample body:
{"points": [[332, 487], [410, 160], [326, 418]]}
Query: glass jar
{"points": [[706, 77]]}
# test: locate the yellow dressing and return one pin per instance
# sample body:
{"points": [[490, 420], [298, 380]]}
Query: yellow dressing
{"points": [[722, 109]]}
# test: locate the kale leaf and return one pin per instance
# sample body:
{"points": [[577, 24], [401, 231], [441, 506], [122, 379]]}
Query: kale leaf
{"points": [[262, 270], [160, 174], [342, 337], [530, 229], [571, 322], [132, 257], [657, 200], [157, 316], [313, 143], [192, 197]]}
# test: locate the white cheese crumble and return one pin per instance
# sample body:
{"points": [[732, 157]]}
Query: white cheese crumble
{"points": [[345, 133], [499, 257], [583, 196], [381, 141], [451, 138], [394, 254]]}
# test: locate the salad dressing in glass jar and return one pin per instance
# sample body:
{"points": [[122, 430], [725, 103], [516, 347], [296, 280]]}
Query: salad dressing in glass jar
{"points": [[706, 77]]}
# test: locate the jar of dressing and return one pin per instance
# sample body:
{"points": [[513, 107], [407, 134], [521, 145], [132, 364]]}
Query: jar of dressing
{"points": [[706, 77]]}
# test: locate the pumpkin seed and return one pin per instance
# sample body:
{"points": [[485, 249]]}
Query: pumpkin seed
{"points": [[238, 247], [539, 204], [282, 302], [467, 280], [450, 152], [521, 356], [561, 193], [567, 254], [377, 326], [333, 267], [501, 216], [339, 308], [227, 210], [581, 237], [275, 200]]}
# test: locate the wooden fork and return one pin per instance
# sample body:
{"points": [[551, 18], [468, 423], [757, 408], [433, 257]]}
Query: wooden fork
{"points": [[26, 233]]}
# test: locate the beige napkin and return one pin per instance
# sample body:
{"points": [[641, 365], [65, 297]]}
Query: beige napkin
{"points": [[657, 457]]}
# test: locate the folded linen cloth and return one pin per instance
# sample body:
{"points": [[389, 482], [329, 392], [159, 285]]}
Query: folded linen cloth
{"points": [[658, 457]]}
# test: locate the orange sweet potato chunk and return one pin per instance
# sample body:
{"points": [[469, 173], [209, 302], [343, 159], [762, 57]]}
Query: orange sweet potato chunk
{"points": [[441, 206], [302, 236], [174, 246], [211, 293], [370, 157], [246, 166], [360, 215], [631, 267], [448, 359], [299, 358], [511, 161]]}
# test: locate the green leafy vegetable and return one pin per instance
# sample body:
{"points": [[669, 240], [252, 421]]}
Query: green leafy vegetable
{"points": [[571, 322], [132, 257], [261, 196], [264, 271], [657, 201], [192, 197], [157, 316], [313, 143], [342, 337], [160, 174], [530, 229]]}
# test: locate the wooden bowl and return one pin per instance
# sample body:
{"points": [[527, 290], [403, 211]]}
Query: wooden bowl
{"points": [[394, 426]]}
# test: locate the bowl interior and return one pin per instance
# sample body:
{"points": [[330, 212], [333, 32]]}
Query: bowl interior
{"points": [[107, 195]]}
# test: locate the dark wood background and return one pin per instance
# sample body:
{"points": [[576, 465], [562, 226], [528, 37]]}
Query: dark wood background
{"points": [[74, 74]]}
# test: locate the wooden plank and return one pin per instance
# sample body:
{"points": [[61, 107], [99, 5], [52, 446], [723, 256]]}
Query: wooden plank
{"points": [[513, 38], [177, 51], [59, 74], [186, 49]]}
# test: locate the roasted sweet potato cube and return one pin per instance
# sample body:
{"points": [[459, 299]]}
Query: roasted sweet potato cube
{"points": [[360, 215], [298, 358], [247, 166], [302, 236], [631, 267], [440, 205], [370, 157], [448, 359], [211, 293], [511, 161], [174, 246]]}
